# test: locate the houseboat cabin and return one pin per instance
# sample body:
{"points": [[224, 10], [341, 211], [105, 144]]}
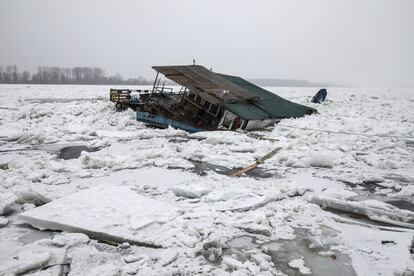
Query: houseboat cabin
{"points": [[206, 101]]}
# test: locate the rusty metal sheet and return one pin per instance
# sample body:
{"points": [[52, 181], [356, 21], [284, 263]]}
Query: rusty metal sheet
{"points": [[203, 81]]}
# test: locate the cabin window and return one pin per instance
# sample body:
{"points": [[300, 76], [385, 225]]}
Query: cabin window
{"points": [[213, 108], [244, 124], [198, 99], [227, 120], [219, 111]]}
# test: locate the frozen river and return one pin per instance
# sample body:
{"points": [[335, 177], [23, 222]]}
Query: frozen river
{"points": [[338, 196]]}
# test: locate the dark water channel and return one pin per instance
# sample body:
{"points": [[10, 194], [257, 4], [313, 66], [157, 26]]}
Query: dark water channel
{"points": [[73, 152], [402, 204], [36, 235]]}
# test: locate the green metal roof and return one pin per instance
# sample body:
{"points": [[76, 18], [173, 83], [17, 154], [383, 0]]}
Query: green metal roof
{"points": [[241, 97], [267, 106]]}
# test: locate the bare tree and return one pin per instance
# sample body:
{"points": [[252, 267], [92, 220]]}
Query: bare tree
{"points": [[25, 77]]}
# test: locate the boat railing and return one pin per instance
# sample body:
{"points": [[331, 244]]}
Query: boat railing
{"points": [[125, 95], [169, 90]]}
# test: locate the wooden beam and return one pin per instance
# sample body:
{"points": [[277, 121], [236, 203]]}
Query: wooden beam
{"points": [[257, 163]]}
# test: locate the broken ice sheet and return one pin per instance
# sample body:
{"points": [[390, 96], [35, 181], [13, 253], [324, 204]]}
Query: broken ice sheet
{"points": [[107, 212], [373, 209], [43, 254]]}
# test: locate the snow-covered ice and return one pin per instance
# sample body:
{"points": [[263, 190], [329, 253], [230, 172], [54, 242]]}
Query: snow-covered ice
{"points": [[300, 265], [6, 200], [104, 212], [335, 178]]}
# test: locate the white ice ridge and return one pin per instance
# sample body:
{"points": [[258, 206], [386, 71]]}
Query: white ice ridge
{"points": [[375, 210], [108, 212]]}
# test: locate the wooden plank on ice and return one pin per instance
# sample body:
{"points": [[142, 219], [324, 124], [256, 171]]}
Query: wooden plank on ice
{"points": [[257, 163]]}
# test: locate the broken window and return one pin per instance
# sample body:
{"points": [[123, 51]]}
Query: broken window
{"points": [[213, 108]]}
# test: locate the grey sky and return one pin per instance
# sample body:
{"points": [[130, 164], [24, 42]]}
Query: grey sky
{"points": [[368, 42]]}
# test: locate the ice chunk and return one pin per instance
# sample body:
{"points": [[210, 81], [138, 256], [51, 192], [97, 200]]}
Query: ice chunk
{"points": [[255, 223], [319, 159], [24, 262], [75, 239], [262, 260], [90, 261], [28, 194], [6, 200], [212, 251], [133, 258], [58, 167], [90, 161], [212, 141], [256, 229], [221, 195], [28, 206], [57, 241], [190, 191], [31, 138], [232, 263], [115, 213], [375, 210], [3, 222], [327, 253], [99, 143], [253, 203], [168, 256], [300, 264], [245, 203]]}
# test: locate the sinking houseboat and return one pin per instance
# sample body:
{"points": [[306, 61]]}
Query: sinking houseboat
{"points": [[206, 101]]}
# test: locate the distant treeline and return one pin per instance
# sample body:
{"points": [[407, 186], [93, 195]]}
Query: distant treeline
{"points": [[58, 75], [288, 83]]}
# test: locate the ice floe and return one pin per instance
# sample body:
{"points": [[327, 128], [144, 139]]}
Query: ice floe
{"points": [[107, 212]]}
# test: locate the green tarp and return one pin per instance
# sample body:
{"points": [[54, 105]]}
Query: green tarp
{"points": [[268, 106]]}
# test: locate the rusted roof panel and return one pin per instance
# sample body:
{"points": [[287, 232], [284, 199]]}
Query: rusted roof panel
{"points": [[203, 81]]}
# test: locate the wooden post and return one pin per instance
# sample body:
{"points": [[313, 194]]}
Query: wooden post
{"points": [[258, 162]]}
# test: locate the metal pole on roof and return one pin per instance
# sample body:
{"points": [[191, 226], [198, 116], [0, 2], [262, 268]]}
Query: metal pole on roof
{"points": [[155, 81]]}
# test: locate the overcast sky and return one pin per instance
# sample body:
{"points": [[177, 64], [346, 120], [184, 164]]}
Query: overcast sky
{"points": [[365, 42]]}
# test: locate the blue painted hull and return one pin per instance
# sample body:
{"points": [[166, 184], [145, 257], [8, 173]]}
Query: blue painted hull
{"points": [[164, 122]]}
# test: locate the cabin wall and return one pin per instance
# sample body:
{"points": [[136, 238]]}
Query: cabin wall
{"points": [[227, 119], [257, 124]]}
